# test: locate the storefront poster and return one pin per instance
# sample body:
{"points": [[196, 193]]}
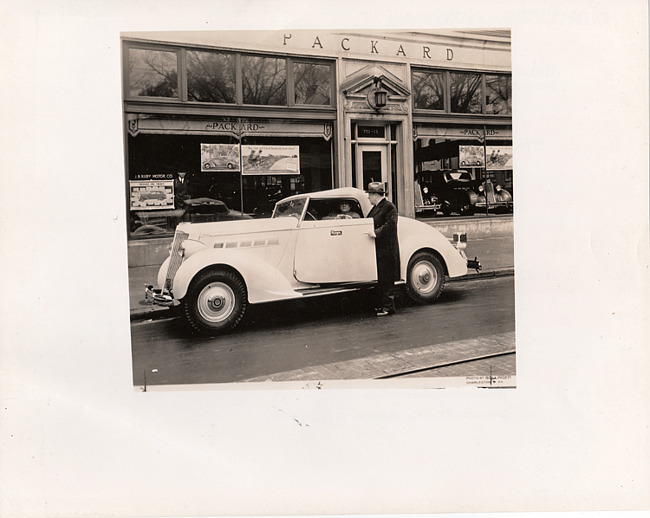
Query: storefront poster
{"points": [[151, 194], [498, 157], [270, 160], [470, 156], [219, 157]]}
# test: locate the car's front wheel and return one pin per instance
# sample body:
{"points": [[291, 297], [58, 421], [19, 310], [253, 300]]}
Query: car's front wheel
{"points": [[425, 278], [216, 301]]}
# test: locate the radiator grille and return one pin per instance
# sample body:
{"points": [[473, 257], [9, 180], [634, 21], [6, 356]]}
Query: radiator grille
{"points": [[176, 258], [489, 193]]}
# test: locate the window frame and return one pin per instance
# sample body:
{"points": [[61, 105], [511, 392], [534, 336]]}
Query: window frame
{"points": [[291, 61], [185, 93], [485, 94], [481, 77], [180, 87], [445, 98], [240, 71]]}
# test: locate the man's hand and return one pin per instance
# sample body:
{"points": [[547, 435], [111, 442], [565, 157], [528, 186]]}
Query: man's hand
{"points": [[372, 234]]}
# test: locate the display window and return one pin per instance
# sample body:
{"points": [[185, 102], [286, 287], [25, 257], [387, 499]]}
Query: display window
{"points": [[452, 163], [175, 178]]}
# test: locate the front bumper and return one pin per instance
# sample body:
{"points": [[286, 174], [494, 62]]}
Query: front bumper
{"points": [[460, 243], [159, 297], [474, 264], [428, 206]]}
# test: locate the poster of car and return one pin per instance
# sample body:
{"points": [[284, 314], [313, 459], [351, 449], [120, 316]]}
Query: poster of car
{"points": [[151, 194], [270, 160], [470, 156], [498, 157], [219, 157]]}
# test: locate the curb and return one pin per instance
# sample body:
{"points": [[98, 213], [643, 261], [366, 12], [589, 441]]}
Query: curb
{"points": [[500, 272], [161, 313]]}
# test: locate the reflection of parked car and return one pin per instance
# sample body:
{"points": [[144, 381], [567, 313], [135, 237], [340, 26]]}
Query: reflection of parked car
{"points": [[452, 188], [215, 270], [497, 197], [425, 198], [220, 162], [152, 195], [194, 210]]}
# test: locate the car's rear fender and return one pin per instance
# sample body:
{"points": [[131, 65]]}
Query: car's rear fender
{"points": [[264, 282]]}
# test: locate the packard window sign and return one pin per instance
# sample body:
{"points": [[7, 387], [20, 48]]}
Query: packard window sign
{"points": [[219, 157], [270, 160]]}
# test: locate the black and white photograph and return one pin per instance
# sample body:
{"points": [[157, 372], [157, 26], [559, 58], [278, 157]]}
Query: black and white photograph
{"points": [[281, 270], [288, 258]]}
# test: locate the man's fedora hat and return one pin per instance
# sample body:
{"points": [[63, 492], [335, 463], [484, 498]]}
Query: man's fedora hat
{"points": [[376, 187]]}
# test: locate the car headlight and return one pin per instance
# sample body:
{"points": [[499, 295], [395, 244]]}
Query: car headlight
{"points": [[480, 188], [425, 190], [498, 188]]}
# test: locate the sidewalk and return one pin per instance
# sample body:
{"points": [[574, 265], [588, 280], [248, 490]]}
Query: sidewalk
{"points": [[496, 254]]}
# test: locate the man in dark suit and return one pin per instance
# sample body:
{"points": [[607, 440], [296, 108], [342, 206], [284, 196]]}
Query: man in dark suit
{"points": [[180, 190], [384, 215]]}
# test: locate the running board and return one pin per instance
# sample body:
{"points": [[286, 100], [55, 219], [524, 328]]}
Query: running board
{"points": [[341, 288]]}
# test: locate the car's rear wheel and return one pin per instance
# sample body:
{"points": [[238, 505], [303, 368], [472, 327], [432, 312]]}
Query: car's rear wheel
{"points": [[425, 278], [216, 301]]}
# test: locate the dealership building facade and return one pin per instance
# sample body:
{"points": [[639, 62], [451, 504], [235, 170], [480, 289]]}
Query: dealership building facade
{"points": [[254, 116]]}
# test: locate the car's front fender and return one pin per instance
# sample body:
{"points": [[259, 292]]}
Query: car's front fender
{"points": [[415, 236], [264, 282]]}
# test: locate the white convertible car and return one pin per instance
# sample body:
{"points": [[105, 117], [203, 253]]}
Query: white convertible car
{"points": [[215, 270]]}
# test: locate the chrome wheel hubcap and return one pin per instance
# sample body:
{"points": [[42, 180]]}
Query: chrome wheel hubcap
{"points": [[216, 302], [424, 277]]}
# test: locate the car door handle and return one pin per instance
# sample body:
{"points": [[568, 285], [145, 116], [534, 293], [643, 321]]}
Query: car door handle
{"points": [[336, 232]]}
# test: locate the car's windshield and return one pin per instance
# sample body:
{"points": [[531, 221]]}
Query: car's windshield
{"points": [[289, 208]]}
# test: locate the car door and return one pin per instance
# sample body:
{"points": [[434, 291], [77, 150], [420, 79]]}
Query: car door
{"points": [[335, 251]]}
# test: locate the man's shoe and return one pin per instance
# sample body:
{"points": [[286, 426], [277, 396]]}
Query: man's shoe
{"points": [[385, 312]]}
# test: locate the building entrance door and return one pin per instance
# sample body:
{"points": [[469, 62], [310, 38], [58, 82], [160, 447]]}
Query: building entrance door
{"points": [[372, 166]]}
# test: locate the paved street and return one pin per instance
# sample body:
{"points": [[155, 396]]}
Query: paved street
{"points": [[337, 338]]}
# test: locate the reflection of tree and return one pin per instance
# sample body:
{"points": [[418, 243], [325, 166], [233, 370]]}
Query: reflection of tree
{"points": [[428, 90], [498, 94], [210, 77], [264, 80], [465, 93], [312, 83], [153, 73]]}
